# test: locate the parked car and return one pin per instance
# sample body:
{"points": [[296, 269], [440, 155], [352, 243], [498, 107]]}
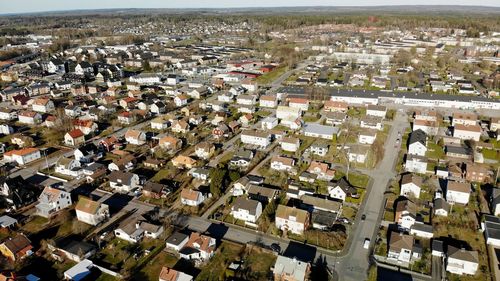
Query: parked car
{"points": [[276, 248], [366, 244]]}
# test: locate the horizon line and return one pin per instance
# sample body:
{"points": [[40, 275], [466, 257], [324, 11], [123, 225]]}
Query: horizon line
{"points": [[243, 8]]}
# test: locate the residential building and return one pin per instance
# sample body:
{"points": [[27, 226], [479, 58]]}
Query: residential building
{"points": [[458, 192], [322, 170], [341, 189], [257, 138], [191, 197], [291, 219], [16, 248], [400, 248], [411, 185], [290, 269], [467, 132], [247, 210], [376, 110], [135, 137], [170, 274], [51, 201], [367, 136], [290, 144], [405, 213], [320, 131], [182, 161], [417, 143], [204, 150], [301, 103], [416, 164], [74, 137], [460, 261], [281, 163], [91, 212], [22, 156], [123, 181]]}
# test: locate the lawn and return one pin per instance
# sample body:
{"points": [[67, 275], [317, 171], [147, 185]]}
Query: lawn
{"points": [[349, 212], [216, 267], [257, 263], [107, 277], [490, 154], [434, 151], [35, 225], [271, 76], [355, 179], [152, 269]]}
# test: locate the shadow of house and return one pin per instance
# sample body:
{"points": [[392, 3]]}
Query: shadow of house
{"points": [[300, 251]]}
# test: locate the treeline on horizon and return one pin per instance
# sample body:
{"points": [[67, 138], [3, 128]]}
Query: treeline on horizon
{"points": [[474, 23]]}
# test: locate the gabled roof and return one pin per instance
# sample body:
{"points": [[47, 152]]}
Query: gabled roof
{"points": [[87, 205], [418, 136], [399, 241], [462, 254], [75, 133]]}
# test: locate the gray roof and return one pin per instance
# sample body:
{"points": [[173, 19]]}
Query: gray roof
{"points": [[320, 129], [417, 136], [423, 227], [246, 204], [176, 238], [492, 227]]}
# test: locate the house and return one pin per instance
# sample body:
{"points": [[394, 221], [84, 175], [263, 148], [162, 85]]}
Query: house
{"points": [[22, 156], [176, 241], [170, 274], [17, 192], [495, 201], [68, 167], [341, 189], [269, 101], [199, 247], [180, 126], [422, 230], [437, 248], [491, 227], [335, 106], [51, 201], [405, 213], [411, 185], [241, 158], [246, 99], [71, 249], [322, 170], [73, 111], [86, 126], [290, 144], [427, 126], [204, 150], [260, 193], [476, 173], [458, 192], [319, 149], [269, 123], [371, 122], [8, 114], [123, 181], [334, 118], [74, 137], [158, 107], [91, 212], [320, 131], [462, 152], [135, 137], [441, 207], [42, 105], [86, 153], [400, 248], [29, 117], [155, 190], [256, 138], [376, 110], [79, 271], [288, 113], [109, 143], [461, 261], [281, 163], [125, 163], [134, 228], [180, 100], [182, 161], [416, 164], [192, 197], [170, 143], [466, 119], [417, 143], [160, 123], [467, 132], [247, 210], [291, 219], [16, 248], [126, 118], [290, 269], [301, 103], [367, 136], [358, 153]]}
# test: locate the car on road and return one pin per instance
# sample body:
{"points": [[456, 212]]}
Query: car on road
{"points": [[343, 220], [275, 247], [366, 243], [363, 217]]}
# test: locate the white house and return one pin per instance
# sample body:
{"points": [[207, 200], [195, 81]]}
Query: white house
{"points": [[199, 247], [288, 113], [145, 79], [91, 212], [43, 105], [467, 132], [290, 144], [176, 241], [376, 110], [400, 247], [411, 185], [268, 101], [320, 131], [358, 153], [461, 261], [257, 138], [22, 156], [68, 167], [417, 143], [191, 197], [280, 163], [458, 192], [268, 123], [123, 181], [416, 164], [422, 230], [135, 137], [51, 201], [367, 136], [291, 219], [247, 210], [341, 189], [301, 103], [371, 122], [180, 100]]}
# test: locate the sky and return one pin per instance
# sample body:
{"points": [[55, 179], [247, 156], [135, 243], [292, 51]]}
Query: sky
{"points": [[26, 6]]}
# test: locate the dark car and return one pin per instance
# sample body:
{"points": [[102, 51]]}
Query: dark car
{"points": [[363, 217], [276, 247]]}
